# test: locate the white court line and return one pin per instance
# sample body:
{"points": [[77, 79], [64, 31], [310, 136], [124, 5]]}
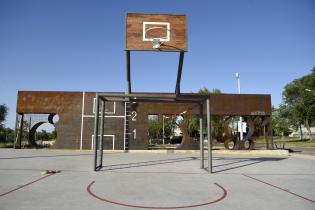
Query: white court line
{"points": [[92, 142]]}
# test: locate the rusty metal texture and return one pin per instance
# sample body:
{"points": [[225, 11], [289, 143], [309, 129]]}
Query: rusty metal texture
{"points": [[240, 104], [68, 105]]}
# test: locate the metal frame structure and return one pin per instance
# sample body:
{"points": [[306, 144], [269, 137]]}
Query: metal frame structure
{"points": [[102, 98], [179, 70], [152, 97]]}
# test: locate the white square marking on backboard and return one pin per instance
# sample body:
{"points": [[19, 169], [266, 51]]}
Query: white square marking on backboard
{"points": [[163, 39]]}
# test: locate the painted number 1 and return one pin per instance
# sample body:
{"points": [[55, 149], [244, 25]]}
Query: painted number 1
{"points": [[134, 133]]}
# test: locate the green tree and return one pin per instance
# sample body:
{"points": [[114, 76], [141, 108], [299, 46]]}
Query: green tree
{"points": [[43, 135], [299, 101], [53, 135], [205, 90], [193, 125], [156, 127], [280, 122], [216, 121], [3, 115]]}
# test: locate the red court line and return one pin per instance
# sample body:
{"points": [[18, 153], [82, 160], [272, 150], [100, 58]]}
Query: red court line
{"points": [[156, 207], [285, 190], [22, 186]]}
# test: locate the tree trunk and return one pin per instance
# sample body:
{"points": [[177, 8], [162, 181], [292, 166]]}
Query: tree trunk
{"points": [[308, 129], [301, 131]]}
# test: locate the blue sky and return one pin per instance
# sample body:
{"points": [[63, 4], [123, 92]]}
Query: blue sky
{"points": [[79, 46]]}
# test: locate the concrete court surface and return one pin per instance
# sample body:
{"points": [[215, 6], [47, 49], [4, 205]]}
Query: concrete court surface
{"points": [[154, 181]]}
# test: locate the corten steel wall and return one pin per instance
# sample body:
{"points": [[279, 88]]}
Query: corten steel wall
{"points": [[76, 125], [240, 104], [141, 124], [114, 123], [67, 105]]}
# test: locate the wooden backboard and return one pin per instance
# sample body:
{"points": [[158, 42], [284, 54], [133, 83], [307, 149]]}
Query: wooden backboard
{"points": [[142, 28]]}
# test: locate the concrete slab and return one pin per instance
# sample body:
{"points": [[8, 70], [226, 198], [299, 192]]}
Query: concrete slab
{"points": [[160, 181]]}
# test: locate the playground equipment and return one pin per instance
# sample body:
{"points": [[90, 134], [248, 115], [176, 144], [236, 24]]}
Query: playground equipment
{"points": [[120, 120]]}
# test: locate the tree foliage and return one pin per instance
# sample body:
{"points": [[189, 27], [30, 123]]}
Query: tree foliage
{"points": [[6, 134], [216, 121], [156, 127], [3, 114], [299, 101], [44, 135], [280, 123]]}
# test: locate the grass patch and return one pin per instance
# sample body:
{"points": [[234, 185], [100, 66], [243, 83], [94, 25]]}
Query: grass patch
{"points": [[6, 144], [295, 142]]}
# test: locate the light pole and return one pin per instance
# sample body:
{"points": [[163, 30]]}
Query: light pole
{"points": [[237, 75]]}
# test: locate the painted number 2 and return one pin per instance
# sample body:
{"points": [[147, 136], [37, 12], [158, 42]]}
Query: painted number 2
{"points": [[133, 116]]}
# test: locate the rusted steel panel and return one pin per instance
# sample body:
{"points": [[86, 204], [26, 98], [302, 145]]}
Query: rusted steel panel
{"points": [[240, 104], [48, 102], [135, 28], [68, 105]]}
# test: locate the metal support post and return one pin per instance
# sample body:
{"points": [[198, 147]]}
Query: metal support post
{"points": [[209, 137], [16, 131], [128, 82], [179, 73], [201, 137], [163, 131], [265, 136], [102, 130], [270, 141], [19, 140], [96, 131]]}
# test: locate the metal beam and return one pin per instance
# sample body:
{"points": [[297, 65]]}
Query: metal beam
{"points": [[179, 73], [128, 82], [96, 131], [270, 141], [21, 131], [16, 131], [209, 137], [156, 95], [18, 137], [102, 131], [201, 137]]}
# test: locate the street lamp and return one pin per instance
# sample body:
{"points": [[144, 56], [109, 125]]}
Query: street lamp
{"points": [[237, 75]]}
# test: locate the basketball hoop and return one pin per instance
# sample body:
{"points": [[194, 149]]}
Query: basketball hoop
{"points": [[156, 43]]}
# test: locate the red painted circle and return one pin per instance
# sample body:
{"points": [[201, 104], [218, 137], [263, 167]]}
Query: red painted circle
{"points": [[156, 207]]}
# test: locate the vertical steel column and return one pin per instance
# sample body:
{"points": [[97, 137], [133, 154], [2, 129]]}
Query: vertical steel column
{"points": [[16, 130], [96, 131], [20, 132], [128, 82], [102, 130], [179, 73], [201, 137], [270, 143], [209, 137], [265, 136]]}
